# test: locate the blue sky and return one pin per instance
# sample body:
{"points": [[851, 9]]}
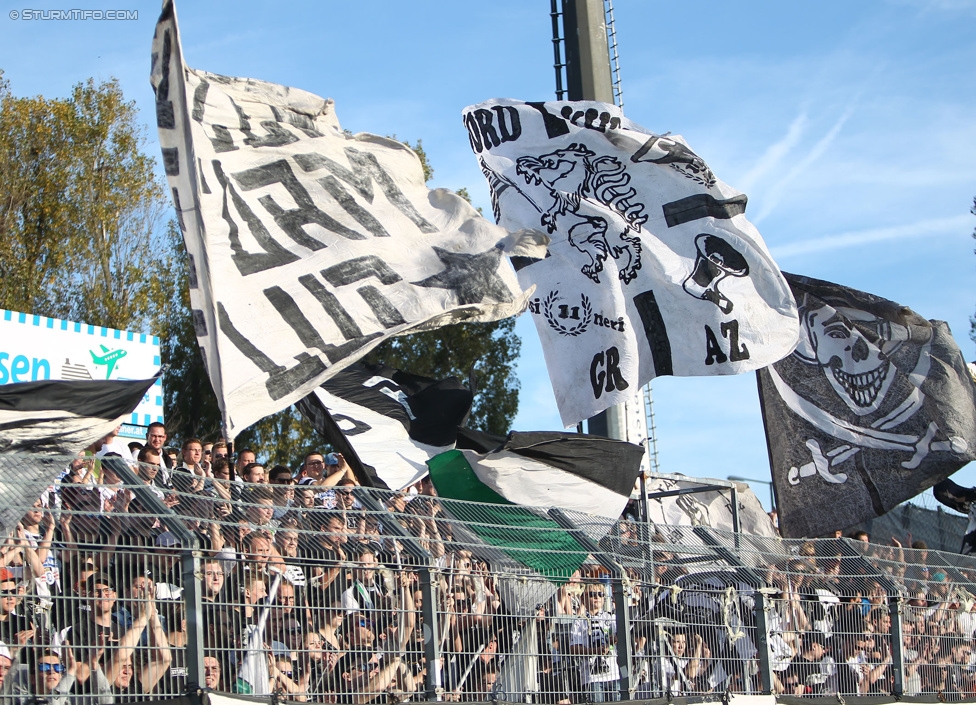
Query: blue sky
{"points": [[849, 125]]}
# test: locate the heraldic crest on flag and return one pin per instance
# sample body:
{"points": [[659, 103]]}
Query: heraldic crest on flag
{"points": [[309, 246], [653, 268], [874, 406]]}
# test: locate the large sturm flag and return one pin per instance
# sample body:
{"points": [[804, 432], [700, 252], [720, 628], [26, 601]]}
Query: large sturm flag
{"points": [[653, 268], [874, 406], [388, 423], [42, 422], [530, 472], [309, 246]]}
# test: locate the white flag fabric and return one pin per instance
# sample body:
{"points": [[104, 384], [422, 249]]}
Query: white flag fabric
{"points": [[653, 268], [308, 246]]}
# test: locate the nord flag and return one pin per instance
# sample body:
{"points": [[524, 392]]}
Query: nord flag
{"points": [[874, 406], [308, 246], [653, 268], [388, 423]]}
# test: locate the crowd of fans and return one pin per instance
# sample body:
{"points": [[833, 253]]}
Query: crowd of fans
{"points": [[307, 595]]}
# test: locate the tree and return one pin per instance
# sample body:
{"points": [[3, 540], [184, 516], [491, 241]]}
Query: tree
{"points": [[82, 227], [484, 352]]}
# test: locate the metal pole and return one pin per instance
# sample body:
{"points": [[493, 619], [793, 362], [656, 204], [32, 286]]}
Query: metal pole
{"points": [[190, 560]]}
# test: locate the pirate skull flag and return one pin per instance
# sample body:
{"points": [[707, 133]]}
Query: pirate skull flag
{"points": [[653, 268], [874, 406], [308, 246]]}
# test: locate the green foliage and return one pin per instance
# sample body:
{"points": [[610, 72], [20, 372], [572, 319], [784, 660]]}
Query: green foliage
{"points": [[485, 352], [82, 227]]}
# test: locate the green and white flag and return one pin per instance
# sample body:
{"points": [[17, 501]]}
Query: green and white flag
{"points": [[517, 483]]}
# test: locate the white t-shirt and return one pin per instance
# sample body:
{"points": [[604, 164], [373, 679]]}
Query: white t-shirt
{"points": [[592, 631]]}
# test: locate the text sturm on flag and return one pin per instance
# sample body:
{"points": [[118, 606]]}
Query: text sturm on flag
{"points": [[309, 246], [875, 406], [653, 268]]}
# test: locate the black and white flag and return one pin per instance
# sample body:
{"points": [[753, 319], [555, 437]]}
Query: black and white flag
{"points": [[874, 406], [42, 422], [653, 268], [309, 246], [388, 423]]}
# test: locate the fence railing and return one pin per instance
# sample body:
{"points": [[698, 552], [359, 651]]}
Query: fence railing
{"points": [[126, 582]]}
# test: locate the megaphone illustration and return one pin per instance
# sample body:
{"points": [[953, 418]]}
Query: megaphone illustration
{"points": [[716, 260]]}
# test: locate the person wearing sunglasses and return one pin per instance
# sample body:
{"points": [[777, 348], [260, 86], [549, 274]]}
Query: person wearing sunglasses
{"points": [[43, 677]]}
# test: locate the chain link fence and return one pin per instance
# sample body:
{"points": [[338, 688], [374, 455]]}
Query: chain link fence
{"points": [[126, 582]]}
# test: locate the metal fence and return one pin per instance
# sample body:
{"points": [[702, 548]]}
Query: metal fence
{"points": [[118, 585]]}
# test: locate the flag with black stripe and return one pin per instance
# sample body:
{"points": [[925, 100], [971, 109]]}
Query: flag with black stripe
{"points": [[874, 406], [387, 423], [514, 484], [308, 245], [653, 268], [42, 423]]}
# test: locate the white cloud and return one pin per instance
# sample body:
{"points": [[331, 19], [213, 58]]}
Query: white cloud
{"points": [[771, 158], [926, 228], [775, 194]]}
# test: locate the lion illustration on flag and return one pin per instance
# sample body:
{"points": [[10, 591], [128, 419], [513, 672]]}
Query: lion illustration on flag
{"points": [[591, 204]]}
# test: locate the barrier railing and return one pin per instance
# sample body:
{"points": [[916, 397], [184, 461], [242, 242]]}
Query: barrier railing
{"points": [[125, 582]]}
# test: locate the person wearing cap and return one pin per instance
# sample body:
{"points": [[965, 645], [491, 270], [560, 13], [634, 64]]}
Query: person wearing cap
{"points": [[16, 624]]}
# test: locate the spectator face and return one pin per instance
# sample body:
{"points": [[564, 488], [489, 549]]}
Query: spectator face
{"points": [[260, 550], [125, 673], [156, 438], [150, 466], [257, 591], [313, 644], [679, 644], [287, 542], [255, 475], [103, 597], [244, 459], [367, 568], [362, 633], [285, 599], [35, 514], [335, 531], [261, 512], [4, 667], [49, 670], [314, 466], [293, 633], [10, 594], [345, 497], [193, 454], [594, 599], [304, 498], [213, 578], [211, 672]]}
